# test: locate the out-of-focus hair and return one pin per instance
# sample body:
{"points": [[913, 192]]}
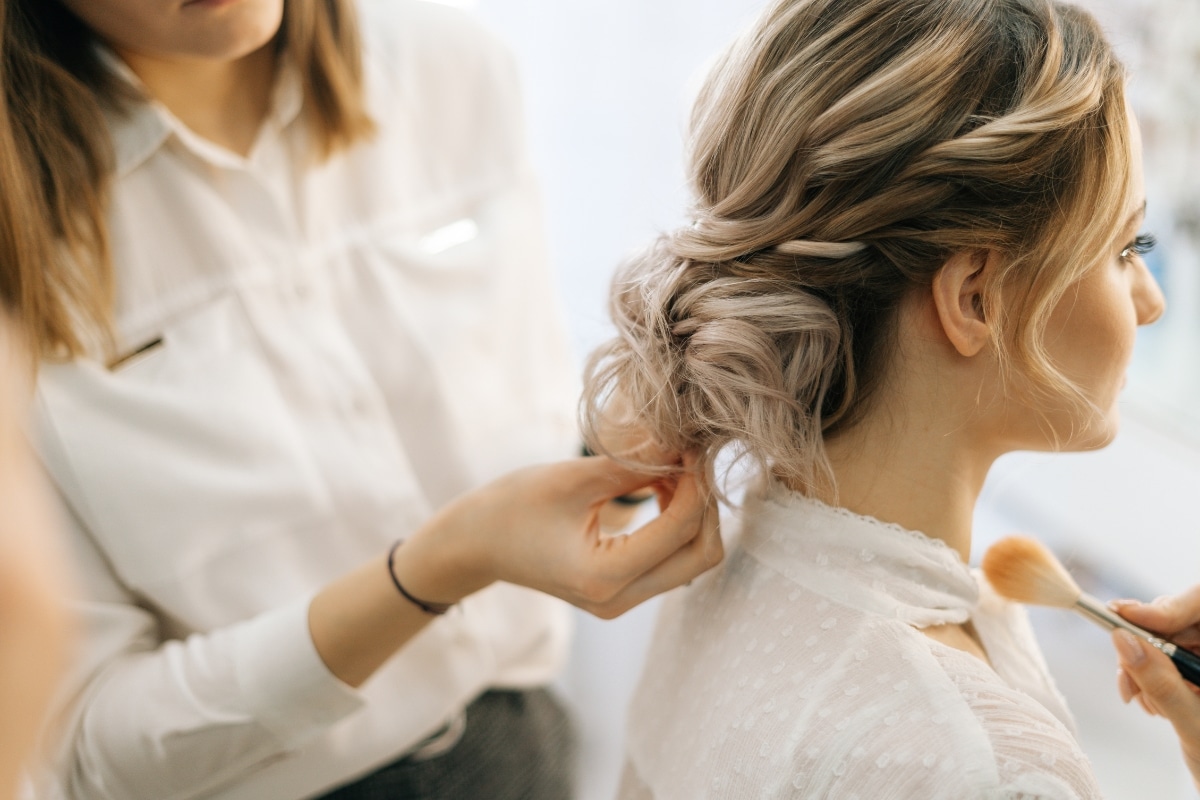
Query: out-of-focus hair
{"points": [[59, 282], [841, 151], [53, 267]]}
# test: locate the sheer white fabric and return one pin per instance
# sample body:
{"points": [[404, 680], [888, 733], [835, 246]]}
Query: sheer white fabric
{"points": [[798, 670]]}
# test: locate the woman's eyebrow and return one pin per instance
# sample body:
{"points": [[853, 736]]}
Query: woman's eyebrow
{"points": [[1136, 217]]}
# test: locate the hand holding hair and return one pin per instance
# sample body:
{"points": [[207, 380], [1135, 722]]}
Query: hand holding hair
{"points": [[538, 527]]}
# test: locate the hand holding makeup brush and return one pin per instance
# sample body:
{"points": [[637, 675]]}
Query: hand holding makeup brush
{"points": [[1153, 668], [1024, 570], [1151, 677]]}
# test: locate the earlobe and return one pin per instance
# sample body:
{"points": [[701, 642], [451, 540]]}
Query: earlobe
{"points": [[958, 297]]}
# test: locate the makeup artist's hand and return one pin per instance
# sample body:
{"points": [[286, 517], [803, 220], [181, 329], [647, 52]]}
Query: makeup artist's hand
{"points": [[540, 527], [1150, 677]]}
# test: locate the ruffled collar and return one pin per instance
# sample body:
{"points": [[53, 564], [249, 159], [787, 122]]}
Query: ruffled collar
{"points": [[858, 561]]}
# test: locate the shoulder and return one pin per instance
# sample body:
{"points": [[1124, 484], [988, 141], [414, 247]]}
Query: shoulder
{"points": [[909, 717], [833, 702], [748, 666], [1013, 648]]}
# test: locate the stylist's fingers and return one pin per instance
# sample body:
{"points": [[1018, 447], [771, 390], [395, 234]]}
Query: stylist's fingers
{"points": [[1166, 615], [694, 558], [600, 478], [1159, 685], [679, 523], [1129, 692], [665, 489], [1126, 687], [1162, 691]]}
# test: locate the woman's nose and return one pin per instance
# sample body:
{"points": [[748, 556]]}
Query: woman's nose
{"points": [[1148, 298]]}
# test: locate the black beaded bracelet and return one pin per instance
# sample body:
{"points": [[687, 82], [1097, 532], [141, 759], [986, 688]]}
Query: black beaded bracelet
{"points": [[436, 609]]}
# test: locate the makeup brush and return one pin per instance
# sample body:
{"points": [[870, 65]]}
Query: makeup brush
{"points": [[1022, 569]]}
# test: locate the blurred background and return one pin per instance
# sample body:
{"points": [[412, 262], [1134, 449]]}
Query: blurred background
{"points": [[608, 86]]}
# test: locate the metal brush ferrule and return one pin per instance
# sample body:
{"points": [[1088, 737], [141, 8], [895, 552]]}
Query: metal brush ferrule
{"points": [[1187, 662], [1102, 615]]}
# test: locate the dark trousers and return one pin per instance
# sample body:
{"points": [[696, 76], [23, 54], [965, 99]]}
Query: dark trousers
{"points": [[518, 745]]}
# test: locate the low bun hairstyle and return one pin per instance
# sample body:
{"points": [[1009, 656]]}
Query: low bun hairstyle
{"points": [[841, 151]]}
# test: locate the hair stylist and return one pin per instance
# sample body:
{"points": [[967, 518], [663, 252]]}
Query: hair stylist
{"points": [[330, 317]]}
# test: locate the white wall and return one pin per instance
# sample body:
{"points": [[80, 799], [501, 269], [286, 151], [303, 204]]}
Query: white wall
{"points": [[606, 84]]}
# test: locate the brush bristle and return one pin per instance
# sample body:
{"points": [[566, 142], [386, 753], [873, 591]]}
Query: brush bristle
{"points": [[1022, 569]]}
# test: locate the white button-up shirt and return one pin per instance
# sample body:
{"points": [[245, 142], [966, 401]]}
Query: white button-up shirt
{"points": [[318, 357]]}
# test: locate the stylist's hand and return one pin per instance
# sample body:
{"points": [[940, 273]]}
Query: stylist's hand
{"points": [[540, 527], [1151, 677]]}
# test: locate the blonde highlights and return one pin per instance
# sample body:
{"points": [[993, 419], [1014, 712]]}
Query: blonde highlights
{"points": [[841, 151]]}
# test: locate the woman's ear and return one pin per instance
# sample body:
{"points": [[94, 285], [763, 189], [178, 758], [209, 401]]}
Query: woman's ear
{"points": [[958, 297]]}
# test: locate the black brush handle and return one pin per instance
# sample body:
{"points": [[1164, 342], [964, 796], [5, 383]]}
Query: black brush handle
{"points": [[1188, 664]]}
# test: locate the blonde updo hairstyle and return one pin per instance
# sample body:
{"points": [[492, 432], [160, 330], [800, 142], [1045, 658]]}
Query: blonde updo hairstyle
{"points": [[841, 151]]}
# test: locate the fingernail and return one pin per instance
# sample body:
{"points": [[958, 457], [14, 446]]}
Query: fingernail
{"points": [[1124, 686], [1162, 602], [1117, 605], [1129, 647]]}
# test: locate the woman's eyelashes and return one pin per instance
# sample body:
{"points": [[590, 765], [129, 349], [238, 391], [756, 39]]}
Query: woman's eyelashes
{"points": [[1140, 246]]}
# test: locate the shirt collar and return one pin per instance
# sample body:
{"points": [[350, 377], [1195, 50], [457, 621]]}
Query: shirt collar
{"points": [[859, 561], [140, 128], [137, 128]]}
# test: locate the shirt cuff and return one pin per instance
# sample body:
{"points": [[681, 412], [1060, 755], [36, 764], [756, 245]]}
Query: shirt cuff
{"points": [[284, 682]]}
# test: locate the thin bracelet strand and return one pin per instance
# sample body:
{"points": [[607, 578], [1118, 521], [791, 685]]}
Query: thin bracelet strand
{"points": [[436, 609]]}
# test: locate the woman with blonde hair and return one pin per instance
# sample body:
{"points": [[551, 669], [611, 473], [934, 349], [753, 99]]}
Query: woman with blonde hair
{"points": [[293, 311], [915, 248]]}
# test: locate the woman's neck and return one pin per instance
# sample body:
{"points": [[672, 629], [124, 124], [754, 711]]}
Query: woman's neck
{"points": [[925, 477], [920, 454], [224, 102]]}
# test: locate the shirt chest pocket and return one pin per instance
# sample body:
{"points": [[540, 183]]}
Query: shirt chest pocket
{"points": [[183, 454]]}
